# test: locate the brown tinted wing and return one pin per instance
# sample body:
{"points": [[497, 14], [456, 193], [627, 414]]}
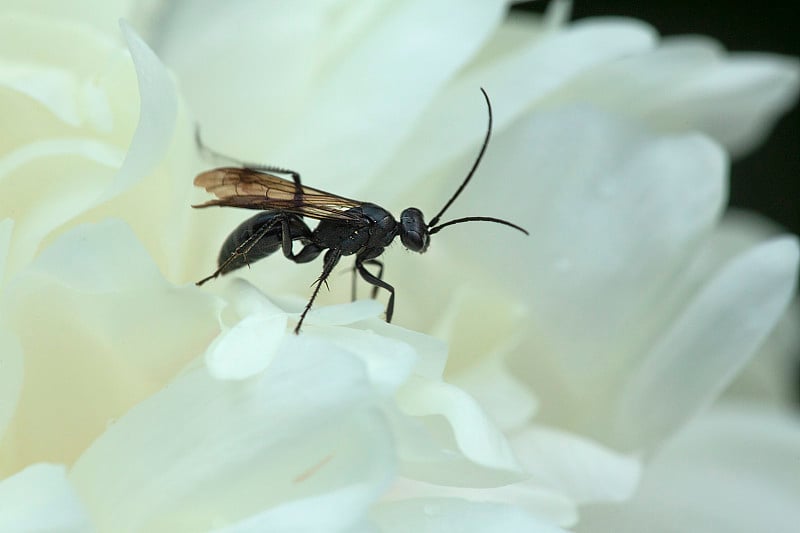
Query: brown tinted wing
{"points": [[242, 187]]}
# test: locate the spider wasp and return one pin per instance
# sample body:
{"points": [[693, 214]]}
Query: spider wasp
{"points": [[346, 226]]}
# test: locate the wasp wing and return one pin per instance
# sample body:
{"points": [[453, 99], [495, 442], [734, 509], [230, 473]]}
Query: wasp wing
{"points": [[251, 189]]}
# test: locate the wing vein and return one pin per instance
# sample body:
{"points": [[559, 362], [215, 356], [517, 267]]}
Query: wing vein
{"points": [[251, 189]]}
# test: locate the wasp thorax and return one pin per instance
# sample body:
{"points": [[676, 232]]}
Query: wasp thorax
{"points": [[413, 230]]}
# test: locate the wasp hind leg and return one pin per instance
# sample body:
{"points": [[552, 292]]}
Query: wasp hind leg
{"points": [[241, 251], [259, 237], [213, 154]]}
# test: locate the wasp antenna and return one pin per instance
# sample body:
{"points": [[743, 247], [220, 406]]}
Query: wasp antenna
{"points": [[478, 219], [477, 162]]}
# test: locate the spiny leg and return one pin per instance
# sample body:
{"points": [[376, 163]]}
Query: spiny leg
{"points": [[332, 257], [244, 164], [378, 282], [241, 250]]}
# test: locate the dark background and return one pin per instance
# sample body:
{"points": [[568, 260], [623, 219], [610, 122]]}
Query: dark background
{"points": [[768, 179]]}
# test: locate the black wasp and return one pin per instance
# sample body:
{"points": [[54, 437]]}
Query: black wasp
{"points": [[346, 227]]}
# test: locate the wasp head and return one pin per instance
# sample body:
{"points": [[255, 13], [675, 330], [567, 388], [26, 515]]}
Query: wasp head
{"points": [[413, 231]]}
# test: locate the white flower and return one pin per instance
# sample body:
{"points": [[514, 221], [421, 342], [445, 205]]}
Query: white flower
{"points": [[733, 469], [131, 399]]}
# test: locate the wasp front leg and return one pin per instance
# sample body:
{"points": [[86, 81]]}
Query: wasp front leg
{"points": [[332, 257]]}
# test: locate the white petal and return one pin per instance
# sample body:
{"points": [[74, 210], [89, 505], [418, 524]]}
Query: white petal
{"points": [[44, 206], [345, 314], [508, 402], [246, 299], [530, 496], [591, 176], [205, 453], [733, 470], [40, 498], [244, 67], [53, 88], [390, 357], [480, 343], [736, 102], [407, 43], [11, 378], [100, 258], [390, 353], [6, 228], [431, 352], [581, 469], [50, 173], [85, 315], [455, 121], [441, 515], [311, 107], [466, 432], [764, 377], [576, 179], [709, 342], [78, 43], [158, 109], [389, 362], [102, 15], [247, 348], [689, 83], [557, 14], [332, 511]]}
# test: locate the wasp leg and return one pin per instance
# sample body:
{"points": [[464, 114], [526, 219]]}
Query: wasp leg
{"points": [[353, 285], [380, 275], [242, 250], [374, 293], [309, 252], [332, 257], [377, 282], [208, 152]]}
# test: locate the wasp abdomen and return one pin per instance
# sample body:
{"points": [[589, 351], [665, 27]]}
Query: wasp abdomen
{"points": [[258, 237]]}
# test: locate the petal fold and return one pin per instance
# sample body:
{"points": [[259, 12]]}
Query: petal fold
{"points": [[708, 343], [733, 469], [84, 314], [301, 429], [158, 110], [691, 83], [574, 466]]}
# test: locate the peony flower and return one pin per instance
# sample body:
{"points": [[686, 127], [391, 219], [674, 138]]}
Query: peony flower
{"points": [[577, 368]]}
